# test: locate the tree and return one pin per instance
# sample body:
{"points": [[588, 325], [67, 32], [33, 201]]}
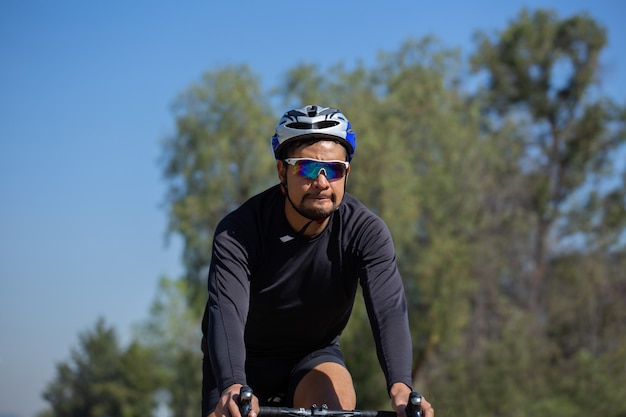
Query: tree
{"points": [[550, 330], [103, 379], [219, 156], [172, 331], [541, 72]]}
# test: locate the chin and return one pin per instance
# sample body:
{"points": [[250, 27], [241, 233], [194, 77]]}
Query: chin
{"points": [[318, 213]]}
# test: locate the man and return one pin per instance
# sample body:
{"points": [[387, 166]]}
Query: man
{"points": [[283, 277]]}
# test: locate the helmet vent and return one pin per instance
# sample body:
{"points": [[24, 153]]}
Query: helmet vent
{"points": [[324, 124]]}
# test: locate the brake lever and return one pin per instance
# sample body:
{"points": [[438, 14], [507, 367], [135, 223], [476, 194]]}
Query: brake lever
{"points": [[245, 400], [414, 406]]}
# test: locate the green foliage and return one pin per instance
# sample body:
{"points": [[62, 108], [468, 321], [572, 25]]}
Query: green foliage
{"points": [[542, 63], [506, 209], [541, 73], [541, 306], [215, 160], [103, 379], [173, 332]]}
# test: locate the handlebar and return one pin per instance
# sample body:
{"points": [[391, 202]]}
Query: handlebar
{"points": [[413, 409]]}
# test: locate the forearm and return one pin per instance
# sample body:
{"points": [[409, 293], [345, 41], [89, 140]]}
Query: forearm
{"points": [[227, 310], [392, 336], [226, 349]]}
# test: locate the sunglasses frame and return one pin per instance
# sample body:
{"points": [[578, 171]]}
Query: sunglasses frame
{"points": [[294, 161]]}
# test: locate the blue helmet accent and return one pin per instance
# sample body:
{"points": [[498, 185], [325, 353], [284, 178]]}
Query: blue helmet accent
{"points": [[314, 122]]}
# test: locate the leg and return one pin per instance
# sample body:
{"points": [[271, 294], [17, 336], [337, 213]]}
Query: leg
{"points": [[327, 383]]}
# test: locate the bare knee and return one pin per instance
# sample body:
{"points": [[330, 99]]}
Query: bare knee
{"points": [[328, 383]]}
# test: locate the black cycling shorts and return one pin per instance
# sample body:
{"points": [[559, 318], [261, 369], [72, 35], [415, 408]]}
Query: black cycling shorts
{"points": [[272, 379]]}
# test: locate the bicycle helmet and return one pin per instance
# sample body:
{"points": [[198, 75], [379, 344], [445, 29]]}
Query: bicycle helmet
{"points": [[312, 122]]}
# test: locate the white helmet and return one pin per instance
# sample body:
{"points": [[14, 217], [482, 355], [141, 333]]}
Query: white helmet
{"points": [[312, 122]]}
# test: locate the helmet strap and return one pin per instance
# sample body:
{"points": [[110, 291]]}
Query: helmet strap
{"points": [[300, 212]]}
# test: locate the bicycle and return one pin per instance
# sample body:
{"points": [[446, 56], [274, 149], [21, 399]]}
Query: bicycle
{"points": [[413, 409]]}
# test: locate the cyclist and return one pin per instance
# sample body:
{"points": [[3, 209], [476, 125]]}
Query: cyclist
{"points": [[283, 277]]}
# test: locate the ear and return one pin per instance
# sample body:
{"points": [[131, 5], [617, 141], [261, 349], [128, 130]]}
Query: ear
{"points": [[280, 170]]}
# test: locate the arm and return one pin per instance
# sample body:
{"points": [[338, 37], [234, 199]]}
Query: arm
{"points": [[385, 300], [387, 309], [226, 312]]}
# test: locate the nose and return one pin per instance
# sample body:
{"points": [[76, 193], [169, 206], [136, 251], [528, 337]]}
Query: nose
{"points": [[321, 181]]}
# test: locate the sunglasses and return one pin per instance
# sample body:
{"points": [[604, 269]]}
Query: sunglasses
{"points": [[311, 168]]}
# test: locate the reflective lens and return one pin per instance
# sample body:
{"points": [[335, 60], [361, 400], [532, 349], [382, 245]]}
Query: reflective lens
{"points": [[311, 168]]}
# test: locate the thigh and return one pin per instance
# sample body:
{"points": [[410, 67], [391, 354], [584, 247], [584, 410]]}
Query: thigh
{"points": [[324, 379]]}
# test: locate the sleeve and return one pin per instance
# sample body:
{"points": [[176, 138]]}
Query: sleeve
{"points": [[386, 304], [227, 309]]}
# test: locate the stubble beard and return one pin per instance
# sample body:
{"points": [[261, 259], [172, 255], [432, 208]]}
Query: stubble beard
{"points": [[317, 213]]}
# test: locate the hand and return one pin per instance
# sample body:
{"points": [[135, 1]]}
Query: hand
{"points": [[428, 409], [399, 398], [228, 404]]}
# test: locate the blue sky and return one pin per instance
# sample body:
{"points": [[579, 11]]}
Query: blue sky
{"points": [[85, 95]]}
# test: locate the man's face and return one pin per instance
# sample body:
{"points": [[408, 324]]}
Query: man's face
{"points": [[319, 197]]}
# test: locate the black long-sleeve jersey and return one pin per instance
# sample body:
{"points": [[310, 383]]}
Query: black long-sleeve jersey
{"points": [[273, 292]]}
